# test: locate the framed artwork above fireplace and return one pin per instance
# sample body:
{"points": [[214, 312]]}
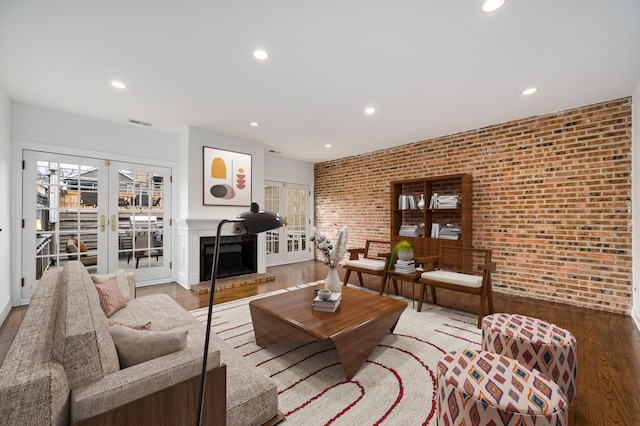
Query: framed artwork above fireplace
{"points": [[226, 178]]}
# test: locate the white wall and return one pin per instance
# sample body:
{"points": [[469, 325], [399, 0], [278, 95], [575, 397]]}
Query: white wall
{"points": [[635, 154], [5, 197], [281, 169], [71, 133]]}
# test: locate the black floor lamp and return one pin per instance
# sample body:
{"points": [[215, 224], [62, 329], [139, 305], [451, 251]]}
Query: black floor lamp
{"points": [[251, 222]]}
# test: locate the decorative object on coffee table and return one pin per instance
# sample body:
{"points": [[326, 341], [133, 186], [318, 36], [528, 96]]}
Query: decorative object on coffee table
{"points": [[333, 253], [324, 294], [326, 301], [251, 222]]}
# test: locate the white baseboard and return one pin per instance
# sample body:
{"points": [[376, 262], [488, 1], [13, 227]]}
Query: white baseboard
{"points": [[4, 313], [636, 318]]}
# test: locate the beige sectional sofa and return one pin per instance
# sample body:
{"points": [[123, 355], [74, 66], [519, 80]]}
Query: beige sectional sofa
{"points": [[63, 366]]}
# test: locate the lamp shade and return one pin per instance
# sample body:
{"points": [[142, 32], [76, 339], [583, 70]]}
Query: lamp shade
{"points": [[256, 221]]}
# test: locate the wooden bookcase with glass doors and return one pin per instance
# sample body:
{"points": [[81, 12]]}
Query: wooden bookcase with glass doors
{"points": [[452, 218]]}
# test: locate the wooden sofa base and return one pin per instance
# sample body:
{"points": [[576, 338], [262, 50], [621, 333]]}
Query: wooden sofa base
{"points": [[275, 419], [176, 405]]}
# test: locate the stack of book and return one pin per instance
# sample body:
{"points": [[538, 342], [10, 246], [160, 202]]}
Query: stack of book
{"points": [[448, 202], [450, 233], [405, 266], [409, 231], [329, 305]]}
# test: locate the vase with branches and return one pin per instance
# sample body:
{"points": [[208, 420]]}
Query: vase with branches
{"points": [[333, 253]]}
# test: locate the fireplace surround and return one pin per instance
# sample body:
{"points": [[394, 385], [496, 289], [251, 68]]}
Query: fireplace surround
{"points": [[189, 232]]}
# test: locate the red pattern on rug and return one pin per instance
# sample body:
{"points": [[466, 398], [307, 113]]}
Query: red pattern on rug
{"points": [[312, 388]]}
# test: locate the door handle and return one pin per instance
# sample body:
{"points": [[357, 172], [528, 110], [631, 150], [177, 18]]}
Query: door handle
{"points": [[102, 223], [113, 223]]}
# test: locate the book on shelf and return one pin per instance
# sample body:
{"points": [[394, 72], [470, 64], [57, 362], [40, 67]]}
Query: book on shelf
{"points": [[433, 201], [449, 237], [407, 202], [435, 230], [445, 232], [450, 233], [447, 202], [409, 231]]}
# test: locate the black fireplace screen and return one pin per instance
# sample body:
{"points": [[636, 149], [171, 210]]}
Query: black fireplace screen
{"points": [[238, 256]]}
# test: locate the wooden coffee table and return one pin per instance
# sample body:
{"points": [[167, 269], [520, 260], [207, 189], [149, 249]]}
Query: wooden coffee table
{"points": [[356, 328]]}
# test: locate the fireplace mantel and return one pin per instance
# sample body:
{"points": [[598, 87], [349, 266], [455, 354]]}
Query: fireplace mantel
{"points": [[188, 233]]}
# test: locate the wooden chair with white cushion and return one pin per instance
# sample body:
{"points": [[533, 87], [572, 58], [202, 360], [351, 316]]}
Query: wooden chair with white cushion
{"points": [[374, 261], [463, 269]]}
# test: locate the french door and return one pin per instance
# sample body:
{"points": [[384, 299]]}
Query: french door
{"points": [[291, 242], [108, 215]]}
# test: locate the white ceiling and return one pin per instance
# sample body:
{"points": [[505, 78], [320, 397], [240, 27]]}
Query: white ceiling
{"points": [[430, 68]]}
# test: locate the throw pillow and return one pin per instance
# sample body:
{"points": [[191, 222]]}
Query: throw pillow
{"points": [[136, 346], [83, 247], [111, 298], [145, 326], [121, 277]]}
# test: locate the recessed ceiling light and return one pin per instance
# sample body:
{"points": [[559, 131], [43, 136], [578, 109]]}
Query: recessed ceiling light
{"points": [[118, 84], [254, 124], [530, 91], [260, 54], [489, 6], [370, 110], [327, 145]]}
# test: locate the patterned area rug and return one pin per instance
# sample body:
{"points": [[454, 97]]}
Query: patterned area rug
{"points": [[395, 386]]}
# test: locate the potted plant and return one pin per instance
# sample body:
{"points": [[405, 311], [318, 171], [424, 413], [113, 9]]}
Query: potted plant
{"points": [[403, 250]]}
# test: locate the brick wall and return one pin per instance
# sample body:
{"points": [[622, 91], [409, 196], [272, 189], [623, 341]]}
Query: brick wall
{"points": [[551, 197]]}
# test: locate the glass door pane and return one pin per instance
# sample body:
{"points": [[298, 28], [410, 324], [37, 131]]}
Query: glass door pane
{"points": [[141, 224], [297, 222], [272, 191], [65, 218], [289, 243]]}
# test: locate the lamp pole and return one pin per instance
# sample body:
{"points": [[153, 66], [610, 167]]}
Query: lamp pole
{"points": [[214, 272], [253, 222]]}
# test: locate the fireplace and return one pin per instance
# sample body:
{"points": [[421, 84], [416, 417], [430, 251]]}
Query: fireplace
{"points": [[238, 256]]}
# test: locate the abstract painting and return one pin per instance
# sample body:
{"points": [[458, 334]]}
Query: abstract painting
{"points": [[227, 178]]}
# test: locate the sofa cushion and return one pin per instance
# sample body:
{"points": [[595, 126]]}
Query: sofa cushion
{"points": [[111, 298], [163, 312], [370, 264], [457, 278], [137, 346], [82, 342], [252, 396], [121, 277]]}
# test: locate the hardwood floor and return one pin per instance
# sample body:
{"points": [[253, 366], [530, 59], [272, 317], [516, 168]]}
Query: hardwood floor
{"points": [[608, 344]]}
